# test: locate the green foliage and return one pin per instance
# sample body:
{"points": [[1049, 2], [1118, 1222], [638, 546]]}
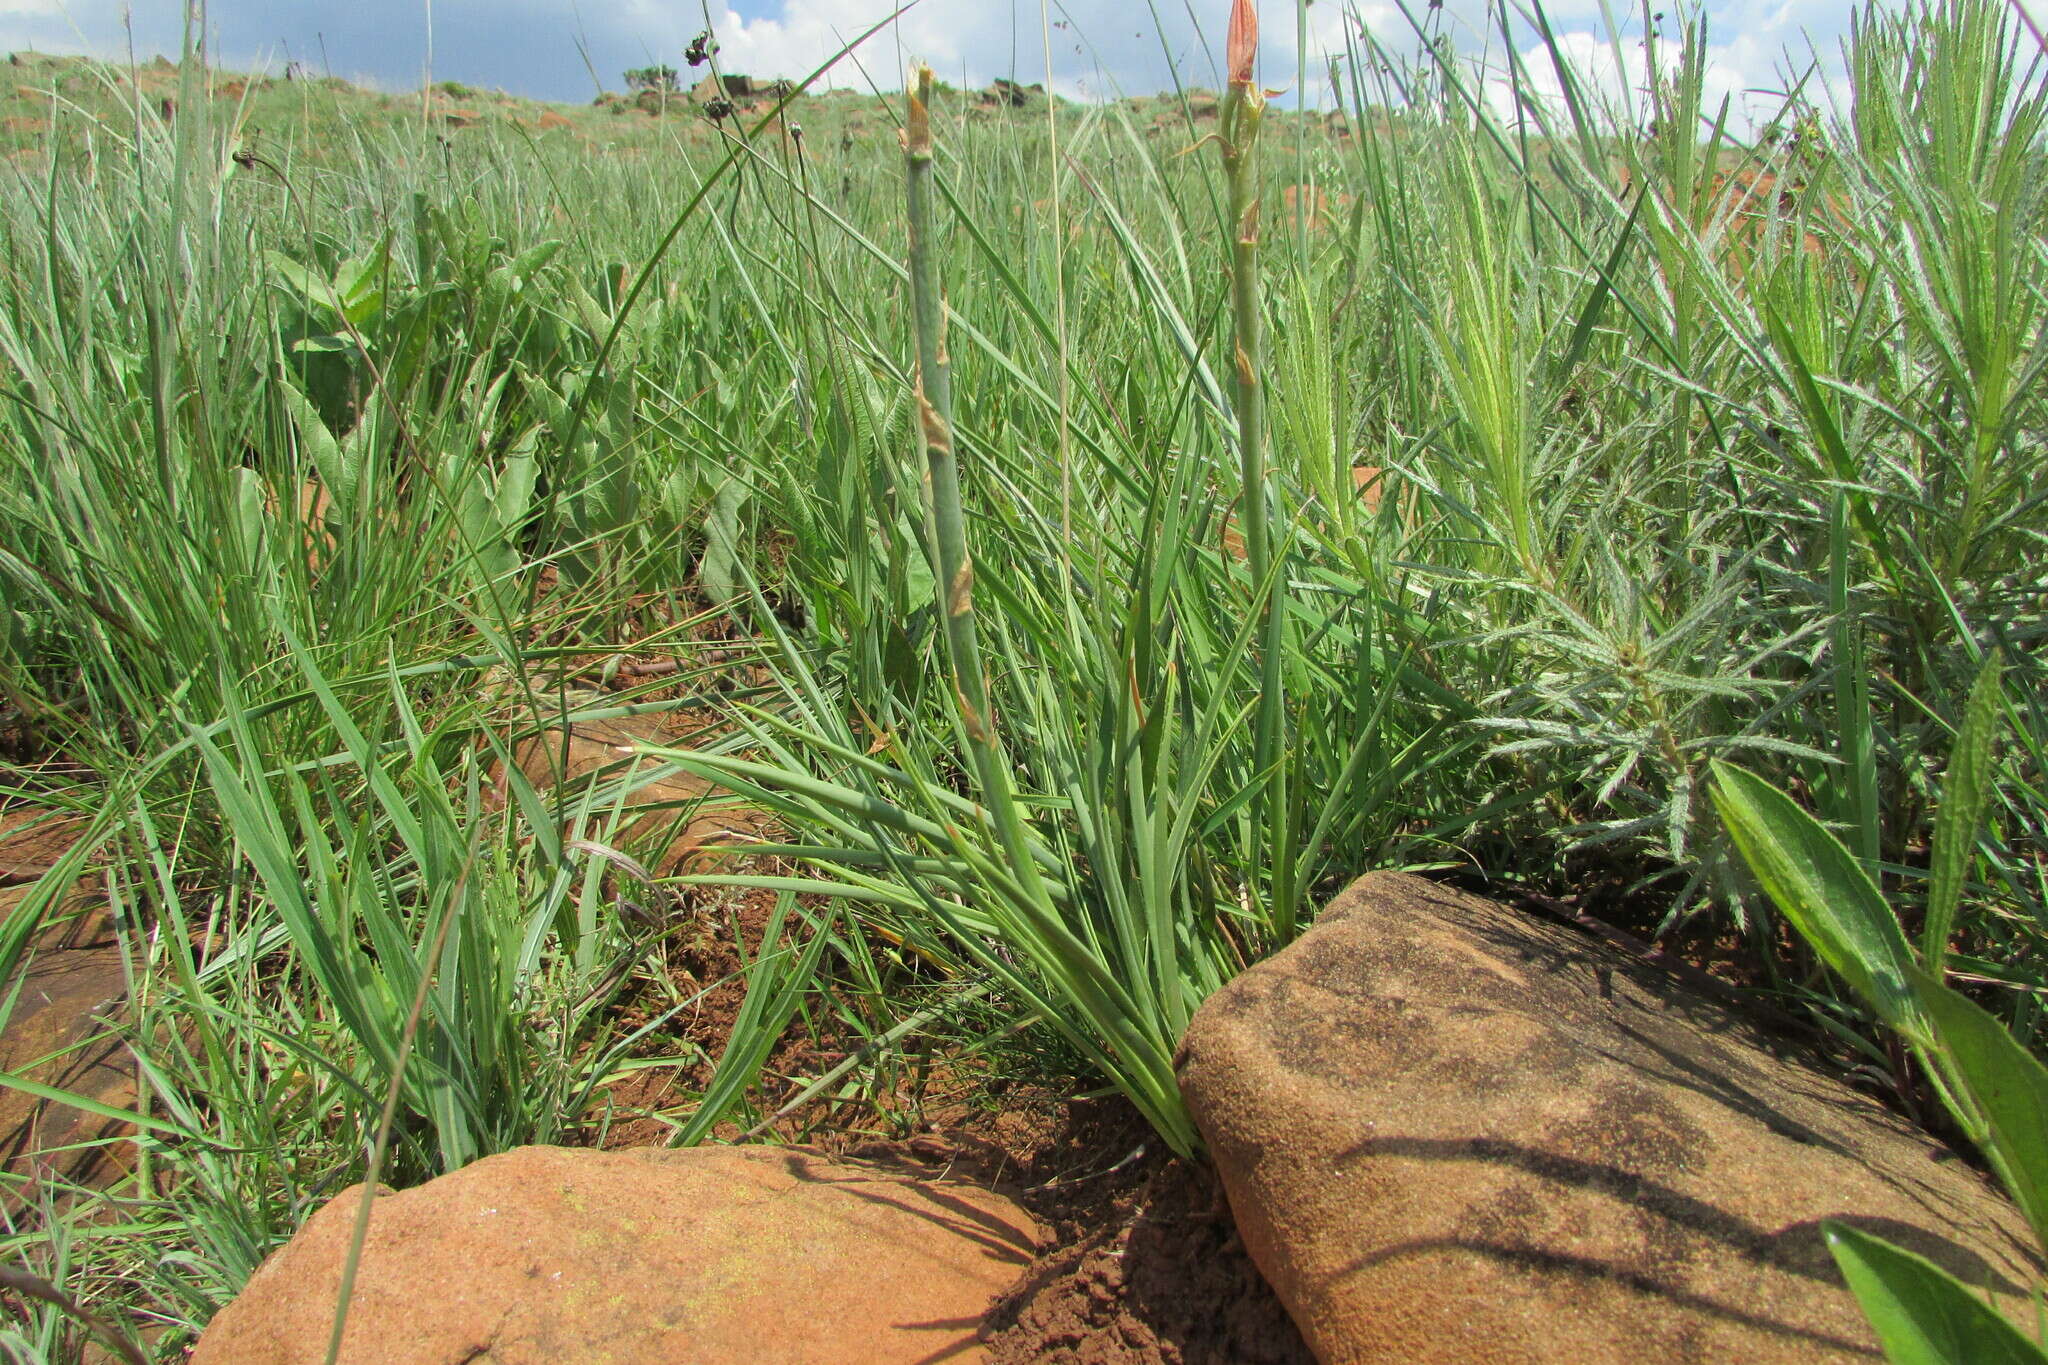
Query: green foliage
{"points": [[1995, 1089], [660, 79], [1923, 1315], [327, 437], [1824, 891]]}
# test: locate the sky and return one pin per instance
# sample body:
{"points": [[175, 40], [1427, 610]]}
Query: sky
{"points": [[563, 49]]}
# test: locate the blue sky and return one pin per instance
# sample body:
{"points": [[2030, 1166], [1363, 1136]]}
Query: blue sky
{"points": [[548, 48]]}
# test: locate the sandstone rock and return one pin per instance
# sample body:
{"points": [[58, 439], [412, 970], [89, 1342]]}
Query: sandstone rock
{"points": [[546, 1255], [680, 818], [59, 1031], [31, 842], [1453, 1132]]}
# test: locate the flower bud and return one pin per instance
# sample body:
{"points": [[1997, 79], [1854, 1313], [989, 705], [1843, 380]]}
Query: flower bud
{"points": [[1243, 45]]}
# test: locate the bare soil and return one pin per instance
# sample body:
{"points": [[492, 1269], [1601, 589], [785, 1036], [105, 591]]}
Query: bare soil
{"points": [[1142, 1264]]}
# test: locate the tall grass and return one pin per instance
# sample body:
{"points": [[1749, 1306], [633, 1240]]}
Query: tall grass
{"points": [[1697, 442]]}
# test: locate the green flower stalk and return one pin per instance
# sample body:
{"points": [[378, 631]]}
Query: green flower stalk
{"points": [[1244, 110], [948, 523]]}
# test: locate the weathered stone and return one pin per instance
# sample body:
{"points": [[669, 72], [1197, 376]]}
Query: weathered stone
{"points": [[546, 1255], [1453, 1132], [680, 817], [60, 1030], [61, 1034], [31, 842]]}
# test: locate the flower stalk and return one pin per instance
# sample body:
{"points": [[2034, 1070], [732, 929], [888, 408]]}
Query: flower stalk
{"points": [[947, 520], [1243, 111], [1244, 108]]}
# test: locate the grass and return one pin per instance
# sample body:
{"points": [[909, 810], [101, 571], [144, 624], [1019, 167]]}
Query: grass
{"points": [[330, 452]]}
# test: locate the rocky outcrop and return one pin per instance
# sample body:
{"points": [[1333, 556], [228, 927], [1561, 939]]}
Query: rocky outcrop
{"points": [[1453, 1132], [546, 1255]]}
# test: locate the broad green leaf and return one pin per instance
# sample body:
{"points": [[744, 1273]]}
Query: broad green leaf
{"points": [[1922, 1314], [325, 344], [320, 447], [532, 259], [1823, 890], [2008, 1084], [359, 283], [304, 282], [718, 569], [1965, 792]]}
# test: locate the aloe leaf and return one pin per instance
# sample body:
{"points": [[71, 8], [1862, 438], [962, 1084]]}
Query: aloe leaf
{"points": [[718, 568], [1922, 1314], [321, 447]]}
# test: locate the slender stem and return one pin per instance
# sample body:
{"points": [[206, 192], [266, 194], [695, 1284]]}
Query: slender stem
{"points": [[1242, 113], [948, 523]]}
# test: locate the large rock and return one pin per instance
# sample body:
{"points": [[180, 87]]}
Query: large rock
{"points": [[1451, 1132], [546, 1256]]}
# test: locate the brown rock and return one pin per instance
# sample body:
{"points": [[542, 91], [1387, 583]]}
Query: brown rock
{"points": [[1370, 483], [32, 840], [1452, 1132], [546, 1255], [680, 817], [59, 1033]]}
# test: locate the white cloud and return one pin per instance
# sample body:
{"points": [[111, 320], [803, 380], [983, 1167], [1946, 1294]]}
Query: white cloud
{"points": [[1102, 47], [1096, 50], [1613, 78]]}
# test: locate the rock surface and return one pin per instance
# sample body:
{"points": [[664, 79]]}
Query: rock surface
{"points": [[31, 842], [546, 1254], [59, 1031], [681, 814], [1452, 1132]]}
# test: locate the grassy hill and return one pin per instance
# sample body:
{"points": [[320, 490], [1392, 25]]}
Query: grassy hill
{"points": [[355, 447]]}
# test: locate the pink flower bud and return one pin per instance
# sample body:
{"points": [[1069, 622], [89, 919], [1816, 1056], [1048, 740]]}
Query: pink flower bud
{"points": [[1243, 45]]}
